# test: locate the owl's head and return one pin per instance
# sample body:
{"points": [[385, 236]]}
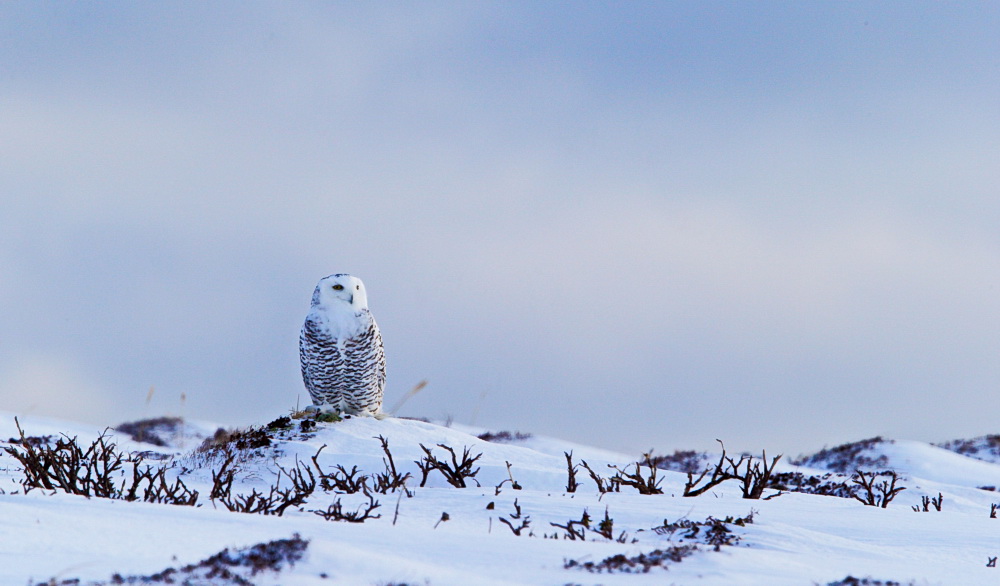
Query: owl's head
{"points": [[341, 290]]}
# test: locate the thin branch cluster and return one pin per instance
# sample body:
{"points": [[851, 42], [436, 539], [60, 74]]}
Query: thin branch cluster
{"points": [[753, 475], [873, 493], [98, 471], [711, 531], [455, 472], [638, 564], [523, 521], [926, 502]]}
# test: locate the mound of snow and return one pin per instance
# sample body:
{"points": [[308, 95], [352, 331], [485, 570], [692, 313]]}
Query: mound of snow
{"points": [[488, 532]]}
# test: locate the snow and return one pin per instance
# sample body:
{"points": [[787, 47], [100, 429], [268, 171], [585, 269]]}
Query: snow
{"points": [[794, 538]]}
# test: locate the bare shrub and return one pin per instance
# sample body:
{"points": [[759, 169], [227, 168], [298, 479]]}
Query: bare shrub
{"points": [[277, 499], [94, 472], [753, 480], [352, 481], [303, 484], [575, 529], [606, 529], [253, 503], [880, 494], [848, 457], [719, 475], [67, 467], [222, 479], [639, 564], [571, 468], [455, 472], [340, 480], [603, 484], [336, 512], [711, 531], [523, 520], [158, 489], [927, 502], [645, 485], [510, 479], [391, 479]]}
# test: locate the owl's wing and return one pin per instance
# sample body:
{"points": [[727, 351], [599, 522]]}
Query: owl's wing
{"points": [[311, 344], [380, 357]]}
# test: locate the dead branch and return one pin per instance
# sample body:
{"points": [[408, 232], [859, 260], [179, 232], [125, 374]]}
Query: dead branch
{"points": [[645, 485], [391, 479], [571, 483], [456, 472], [335, 512], [876, 495], [516, 515], [575, 529], [603, 485]]}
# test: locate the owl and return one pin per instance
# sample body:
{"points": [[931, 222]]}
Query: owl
{"points": [[340, 349]]}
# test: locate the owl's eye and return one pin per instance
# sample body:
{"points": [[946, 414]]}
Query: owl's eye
{"points": [[338, 287], [357, 287]]}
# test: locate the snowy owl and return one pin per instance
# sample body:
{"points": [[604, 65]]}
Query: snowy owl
{"points": [[340, 348]]}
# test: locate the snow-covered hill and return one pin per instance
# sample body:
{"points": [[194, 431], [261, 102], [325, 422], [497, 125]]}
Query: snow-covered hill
{"points": [[439, 534]]}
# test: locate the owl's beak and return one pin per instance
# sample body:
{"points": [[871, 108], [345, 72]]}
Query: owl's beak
{"points": [[351, 300]]}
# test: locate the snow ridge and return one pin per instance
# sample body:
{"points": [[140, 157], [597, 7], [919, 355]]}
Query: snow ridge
{"points": [[432, 532]]}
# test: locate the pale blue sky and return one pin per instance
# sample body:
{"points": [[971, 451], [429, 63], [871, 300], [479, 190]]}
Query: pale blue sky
{"points": [[632, 224]]}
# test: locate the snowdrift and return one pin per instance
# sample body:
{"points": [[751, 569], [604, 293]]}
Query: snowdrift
{"points": [[516, 520]]}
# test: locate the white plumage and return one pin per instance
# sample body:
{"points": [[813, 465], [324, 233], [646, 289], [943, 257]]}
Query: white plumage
{"points": [[340, 349]]}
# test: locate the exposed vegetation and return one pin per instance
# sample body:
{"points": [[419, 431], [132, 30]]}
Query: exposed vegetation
{"points": [[516, 518], [157, 431], [102, 470], [504, 436], [829, 484], [638, 564], [301, 484], [686, 461], [571, 469], [603, 484], [753, 480], [252, 438], [986, 447], [226, 568], [874, 493], [852, 581], [848, 457], [335, 511], [455, 472], [711, 531], [926, 502], [575, 529], [97, 471], [648, 484]]}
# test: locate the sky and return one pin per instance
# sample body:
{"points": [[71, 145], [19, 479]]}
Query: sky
{"points": [[639, 225]]}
